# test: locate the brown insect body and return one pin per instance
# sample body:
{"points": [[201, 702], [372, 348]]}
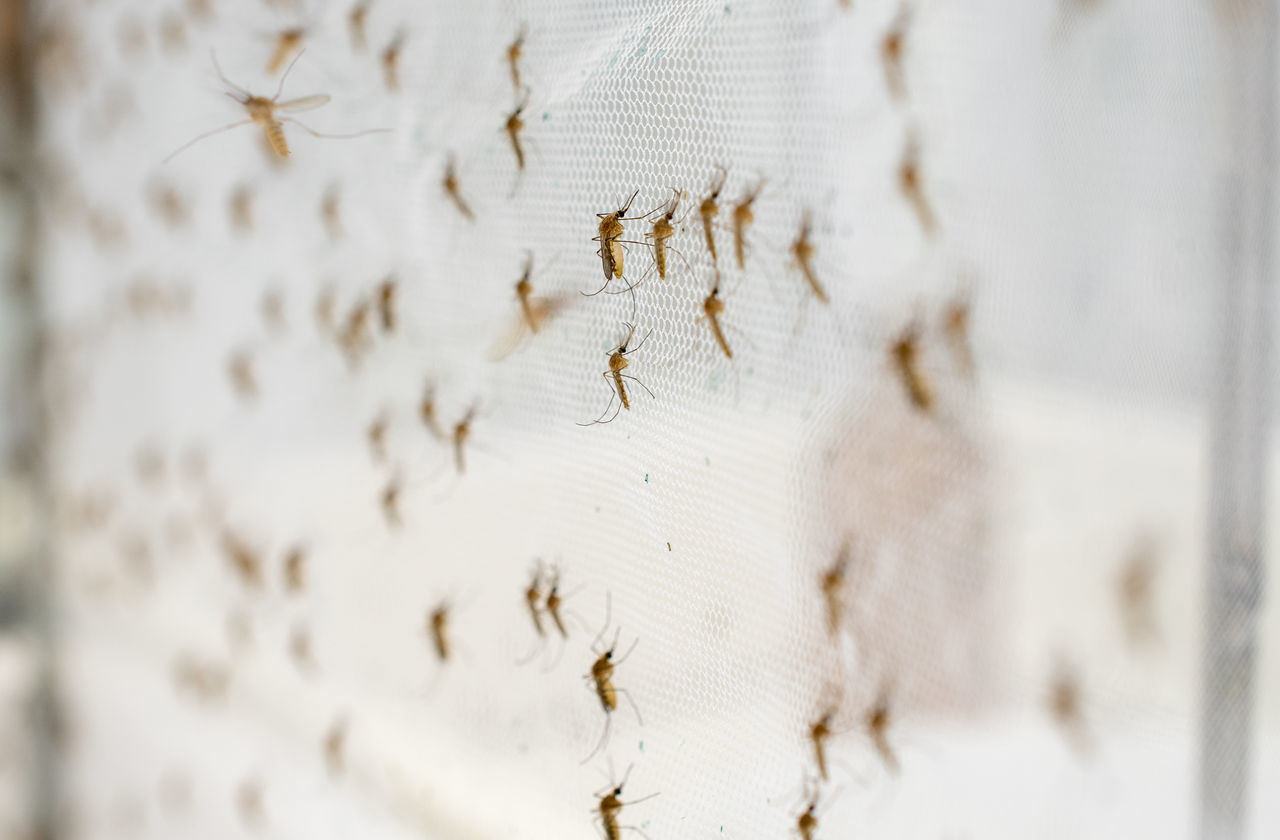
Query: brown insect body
{"points": [[910, 183], [955, 326], [832, 583], [878, 728], [391, 63], [287, 43], [662, 231], [819, 732], [427, 411], [294, 570], [807, 823], [905, 353], [335, 746], [802, 249], [554, 602], [356, 20], [515, 51], [533, 599], [609, 230], [461, 432], [892, 51], [450, 184], [514, 125], [391, 502], [617, 364], [244, 560], [743, 217], [438, 623], [709, 209], [611, 805], [713, 308], [387, 304]]}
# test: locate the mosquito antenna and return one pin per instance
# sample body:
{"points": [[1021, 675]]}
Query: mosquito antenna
{"points": [[217, 69], [287, 71]]}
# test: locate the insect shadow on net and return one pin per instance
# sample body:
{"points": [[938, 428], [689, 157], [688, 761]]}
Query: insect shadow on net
{"points": [[615, 377], [600, 678], [545, 604], [535, 311], [610, 806], [265, 112]]}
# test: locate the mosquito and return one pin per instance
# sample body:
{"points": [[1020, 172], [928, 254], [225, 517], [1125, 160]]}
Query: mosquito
{"points": [[356, 21], [618, 363], [905, 354], [515, 51], [288, 42], [892, 51], [391, 62], [513, 126], [662, 231], [601, 678], [450, 184], [709, 209], [295, 570], [909, 182], [802, 249], [743, 217], [611, 805], [611, 252], [263, 112], [712, 309]]}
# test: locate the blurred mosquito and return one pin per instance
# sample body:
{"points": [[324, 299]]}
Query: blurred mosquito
{"points": [[264, 112]]}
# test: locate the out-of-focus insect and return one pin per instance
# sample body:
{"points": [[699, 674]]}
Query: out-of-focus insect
{"points": [[802, 251], [461, 433], [905, 355], [601, 677], [326, 302], [513, 126], [169, 205], [555, 601], [611, 805], [356, 22], [273, 310], [205, 679], [242, 208], [335, 741], [832, 583], [662, 231], [249, 803], [515, 51], [354, 338], [331, 212], [390, 500], [912, 189], [533, 599], [819, 732], [173, 33], [387, 304], [244, 560], [617, 364], [1066, 706], [709, 210], [743, 217], [1134, 590], [534, 313], [892, 52], [438, 630], [427, 411], [712, 309], [265, 112], [877, 722], [131, 37], [295, 580], [300, 647], [378, 437], [955, 327], [391, 62], [200, 9], [611, 252], [807, 822], [287, 42], [450, 184]]}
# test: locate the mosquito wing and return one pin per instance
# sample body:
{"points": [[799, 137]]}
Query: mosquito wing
{"points": [[306, 103]]}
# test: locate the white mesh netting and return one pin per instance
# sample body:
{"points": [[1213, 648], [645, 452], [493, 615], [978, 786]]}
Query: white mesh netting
{"points": [[212, 384]]}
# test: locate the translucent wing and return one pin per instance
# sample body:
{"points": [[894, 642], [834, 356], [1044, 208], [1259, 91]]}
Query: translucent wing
{"points": [[306, 103]]}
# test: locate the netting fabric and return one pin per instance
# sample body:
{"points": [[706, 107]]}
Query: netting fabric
{"points": [[945, 498]]}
